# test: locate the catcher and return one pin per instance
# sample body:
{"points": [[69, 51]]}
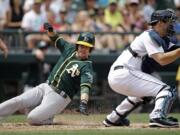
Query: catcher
{"points": [[128, 77], [73, 72], [3, 48]]}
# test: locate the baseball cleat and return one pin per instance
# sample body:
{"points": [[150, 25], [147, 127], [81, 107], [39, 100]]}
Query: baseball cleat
{"points": [[120, 122], [163, 123], [172, 119]]}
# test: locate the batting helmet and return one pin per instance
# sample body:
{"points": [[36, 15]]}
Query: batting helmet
{"points": [[86, 39], [163, 15]]}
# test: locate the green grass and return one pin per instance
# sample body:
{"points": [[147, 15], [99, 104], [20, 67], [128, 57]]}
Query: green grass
{"points": [[96, 118], [97, 132]]}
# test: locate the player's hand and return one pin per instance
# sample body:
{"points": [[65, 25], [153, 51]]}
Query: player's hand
{"points": [[4, 48], [48, 27], [83, 108], [39, 54], [5, 51]]}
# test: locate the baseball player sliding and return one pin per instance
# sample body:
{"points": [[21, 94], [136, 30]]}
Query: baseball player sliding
{"points": [[126, 76], [73, 72]]}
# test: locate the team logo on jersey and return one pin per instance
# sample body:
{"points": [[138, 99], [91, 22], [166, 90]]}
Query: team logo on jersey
{"points": [[74, 71]]}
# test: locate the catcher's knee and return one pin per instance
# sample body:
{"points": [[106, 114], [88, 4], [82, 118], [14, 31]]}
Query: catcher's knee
{"points": [[167, 92]]}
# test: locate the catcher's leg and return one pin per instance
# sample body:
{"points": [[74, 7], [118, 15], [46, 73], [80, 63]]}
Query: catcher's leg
{"points": [[118, 116], [163, 104]]}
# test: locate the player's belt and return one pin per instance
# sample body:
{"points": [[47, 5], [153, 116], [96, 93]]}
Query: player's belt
{"points": [[60, 92], [118, 67]]}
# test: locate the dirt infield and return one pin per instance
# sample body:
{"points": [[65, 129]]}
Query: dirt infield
{"points": [[74, 122], [67, 126]]}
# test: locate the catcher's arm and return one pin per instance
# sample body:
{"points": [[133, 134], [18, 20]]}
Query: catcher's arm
{"points": [[166, 58], [4, 48]]}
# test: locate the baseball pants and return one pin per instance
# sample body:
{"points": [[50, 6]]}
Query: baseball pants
{"points": [[43, 99], [136, 85]]}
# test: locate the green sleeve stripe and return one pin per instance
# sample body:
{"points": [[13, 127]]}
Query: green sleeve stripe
{"points": [[86, 84], [85, 89], [57, 40]]}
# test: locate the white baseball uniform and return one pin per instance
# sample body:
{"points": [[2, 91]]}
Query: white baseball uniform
{"points": [[125, 77]]}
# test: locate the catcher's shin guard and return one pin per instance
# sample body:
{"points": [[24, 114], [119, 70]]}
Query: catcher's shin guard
{"points": [[130, 104], [127, 106], [163, 102]]}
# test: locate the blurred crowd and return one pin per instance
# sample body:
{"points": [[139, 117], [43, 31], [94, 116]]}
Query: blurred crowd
{"points": [[121, 16]]}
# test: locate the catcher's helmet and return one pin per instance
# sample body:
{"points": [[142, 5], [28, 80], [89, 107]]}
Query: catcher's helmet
{"points": [[163, 15], [86, 39]]}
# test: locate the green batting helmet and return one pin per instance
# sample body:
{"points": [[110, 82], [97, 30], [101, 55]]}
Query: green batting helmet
{"points": [[86, 39]]}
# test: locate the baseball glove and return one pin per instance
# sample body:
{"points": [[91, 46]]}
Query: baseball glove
{"points": [[48, 27], [83, 108]]}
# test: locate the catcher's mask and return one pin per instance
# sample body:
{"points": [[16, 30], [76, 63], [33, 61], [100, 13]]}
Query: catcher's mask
{"points": [[167, 15], [86, 39]]}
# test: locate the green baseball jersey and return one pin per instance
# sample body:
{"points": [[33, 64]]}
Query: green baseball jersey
{"points": [[70, 73]]}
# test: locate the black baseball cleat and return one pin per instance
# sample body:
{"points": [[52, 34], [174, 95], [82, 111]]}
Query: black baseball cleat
{"points": [[120, 122], [163, 123], [172, 119]]}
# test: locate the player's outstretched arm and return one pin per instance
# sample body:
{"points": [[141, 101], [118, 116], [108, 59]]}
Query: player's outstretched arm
{"points": [[4, 48], [83, 107]]}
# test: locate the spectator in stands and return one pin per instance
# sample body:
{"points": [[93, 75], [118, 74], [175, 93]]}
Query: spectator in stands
{"points": [[28, 5], [113, 16], [4, 5], [82, 23], [135, 16], [56, 5], [133, 20], [63, 20], [45, 8], [64, 23], [32, 21], [4, 48], [71, 14], [105, 42], [103, 3], [14, 15], [91, 8], [148, 9]]}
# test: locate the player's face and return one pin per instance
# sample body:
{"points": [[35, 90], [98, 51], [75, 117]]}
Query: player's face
{"points": [[83, 51], [164, 28]]}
